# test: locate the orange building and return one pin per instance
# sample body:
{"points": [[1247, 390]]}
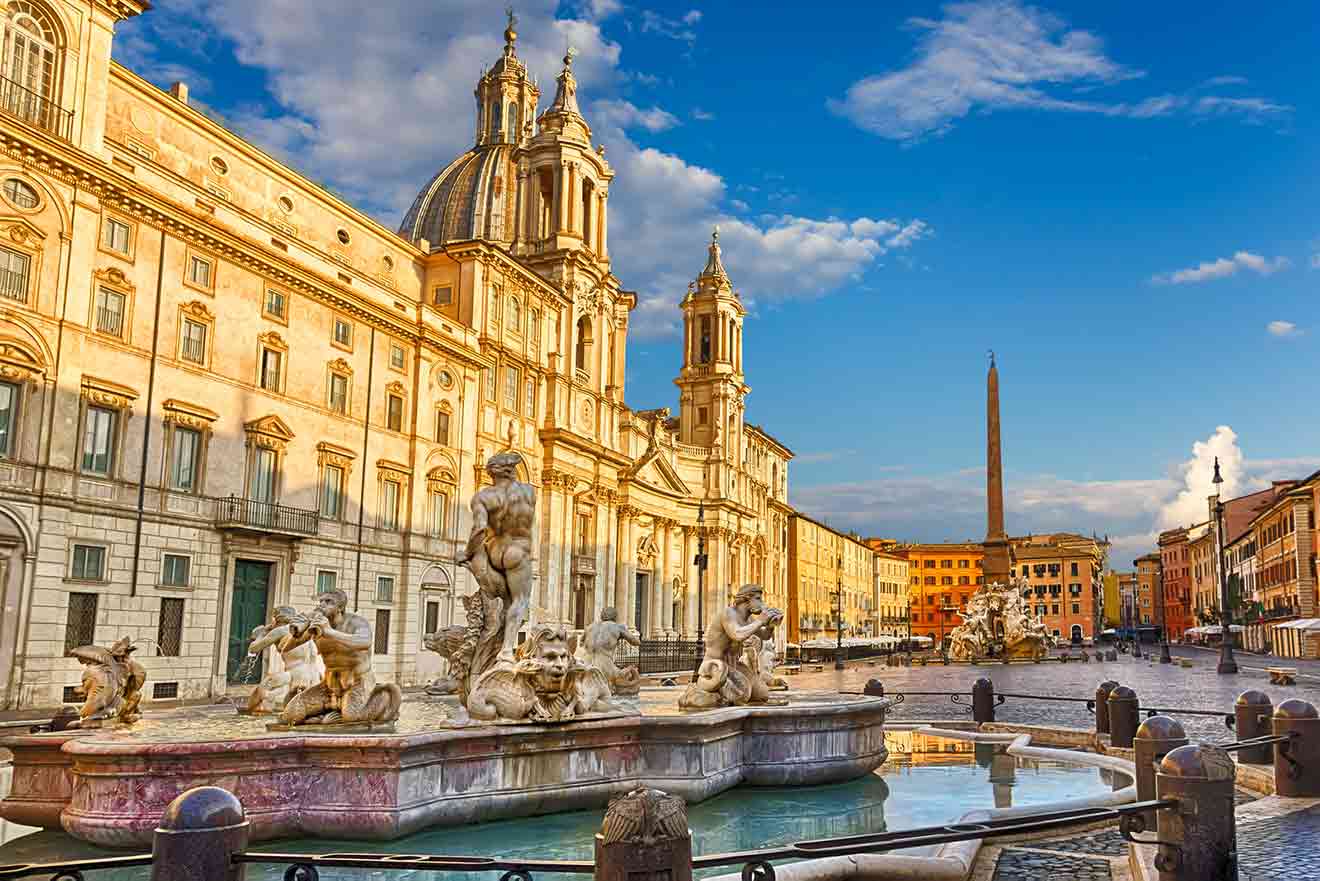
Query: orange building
{"points": [[942, 579], [1176, 571], [1064, 577]]}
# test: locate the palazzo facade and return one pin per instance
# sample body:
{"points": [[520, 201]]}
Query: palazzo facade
{"points": [[223, 389]]}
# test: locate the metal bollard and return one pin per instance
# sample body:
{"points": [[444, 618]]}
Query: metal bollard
{"points": [[1156, 738], [645, 834], [983, 701], [1252, 711], [1297, 762], [1200, 832], [1102, 705], [1122, 716], [198, 835], [874, 688]]}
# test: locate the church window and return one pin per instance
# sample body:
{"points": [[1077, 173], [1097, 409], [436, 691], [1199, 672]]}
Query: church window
{"points": [[29, 63], [703, 416], [515, 315], [583, 342], [511, 386], [703, 353], [513, 120], [588, 196], [494, 118], [21, 194]]}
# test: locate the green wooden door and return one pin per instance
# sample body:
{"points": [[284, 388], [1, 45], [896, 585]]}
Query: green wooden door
{"points": [[248, 610]]}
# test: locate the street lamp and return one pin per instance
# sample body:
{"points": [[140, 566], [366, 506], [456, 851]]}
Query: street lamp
{"points": [[700, 561], [838, 614], [1227, 664], [1165, 657], [1136, 619]]}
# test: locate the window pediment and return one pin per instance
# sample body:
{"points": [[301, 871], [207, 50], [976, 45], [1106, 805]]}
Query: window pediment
{"points": [[439, 479], [17, 362], [392, 470], [22, 232], [189, 415], [396, 388], [114, 278], [270, 432], [333, 454], [273, 340], [339, 365], [197, 309], [107, 393]]}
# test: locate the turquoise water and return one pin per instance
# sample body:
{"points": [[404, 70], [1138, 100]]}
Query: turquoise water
{"points": [[934, 785]]}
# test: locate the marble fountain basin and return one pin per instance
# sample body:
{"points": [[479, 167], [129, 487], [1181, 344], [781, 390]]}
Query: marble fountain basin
{"points": [[111, 787]]}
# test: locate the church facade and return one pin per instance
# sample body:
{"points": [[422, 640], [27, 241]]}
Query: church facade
{"points": [[222, 389]]}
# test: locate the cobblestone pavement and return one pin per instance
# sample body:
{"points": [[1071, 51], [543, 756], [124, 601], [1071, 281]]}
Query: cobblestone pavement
{"points": [[1022, 864], [1157, 685], [1280, 847]]}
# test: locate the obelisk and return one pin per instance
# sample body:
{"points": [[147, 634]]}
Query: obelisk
{"points": [[995, 566]]}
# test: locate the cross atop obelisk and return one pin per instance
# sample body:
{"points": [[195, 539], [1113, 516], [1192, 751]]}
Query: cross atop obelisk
{"points": [[996, 566]]}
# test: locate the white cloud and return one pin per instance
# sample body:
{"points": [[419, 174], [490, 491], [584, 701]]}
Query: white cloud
{"points": [[692, 16], [1283, 329], [702, 115], [1227, 80], [674, 28], [1189, 505], [625, 114], [598, 9], [992, 55], [1223, 268]]}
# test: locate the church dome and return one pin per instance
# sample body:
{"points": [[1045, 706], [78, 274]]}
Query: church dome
{"points": [[473, 197]]}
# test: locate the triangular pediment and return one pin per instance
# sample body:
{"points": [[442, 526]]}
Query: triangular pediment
{"points": [[656, 471], [272, 426]]}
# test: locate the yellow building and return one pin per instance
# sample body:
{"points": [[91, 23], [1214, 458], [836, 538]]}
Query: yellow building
{"points": [[941, 579], [822, 564], [891, 593], [222, 389], [1113, 606]]}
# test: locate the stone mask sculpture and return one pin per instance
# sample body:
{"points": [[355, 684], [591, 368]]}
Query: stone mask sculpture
{"points": [[302, 664], [599, 644], [111, 682], [544, 683], [724, 677], [347, 693]]}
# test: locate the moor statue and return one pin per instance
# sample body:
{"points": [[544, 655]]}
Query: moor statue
{"points": [[499, 549], [111, 682], [600, 642], [347, 693], [724, 678], [544, 683], [302, 664]]}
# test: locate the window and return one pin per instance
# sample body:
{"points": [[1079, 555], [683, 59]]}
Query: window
{"points": [[964, 564], [29, 61], [219, 166], [99, 440], [439, 511], [1076, 608], [1074, 568], [394, 412], [175, 569], [88, 563], [14, 269], [382, 632], [512, 379], [80, 625], [385, 589], [326, 580], [343, 334], [276, 305], [8, 417], [389, 504], [110, 311], [946, 564], [703, 416], [261, 487], [530, 398], [21, 194], [703, 353], [442, 295], [515, 315], [432, 618], [583, 353], [199, 271], [396, 356], [584, 533], [169, 633], [339, 393], [442, 427], [187, 444], [271, 362], [116, 235], [332, 492], [488, 382], [192, 347], [929, 564]]}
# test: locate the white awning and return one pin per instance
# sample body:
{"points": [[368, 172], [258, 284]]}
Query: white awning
{"points": [[1299, 624]]}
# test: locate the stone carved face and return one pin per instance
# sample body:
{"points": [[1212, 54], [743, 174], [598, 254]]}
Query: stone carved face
{"points": [[331, 604], [554, 661]]}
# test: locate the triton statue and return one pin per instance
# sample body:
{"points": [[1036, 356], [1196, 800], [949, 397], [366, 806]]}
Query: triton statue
{"points": [[302, 664], [111, 682], [597, 650], [347, 693], [724, 677]]}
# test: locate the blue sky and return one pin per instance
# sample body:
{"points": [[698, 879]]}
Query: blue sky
{"points": [[1121, 200]]}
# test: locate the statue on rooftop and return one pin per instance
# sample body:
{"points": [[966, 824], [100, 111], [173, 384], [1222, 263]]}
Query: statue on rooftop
{"points": [[347, 692], [302, 664], [111, 683], [599, 644], [724, 677]]}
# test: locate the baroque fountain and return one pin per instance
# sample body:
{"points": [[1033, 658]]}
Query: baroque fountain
{"points": [[544, 725], [998, 623]]}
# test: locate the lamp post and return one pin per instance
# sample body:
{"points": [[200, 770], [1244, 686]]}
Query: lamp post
{"points": [[700, 561], [1227, 664], [1165, 657], [1136, 620], [838, 613]]}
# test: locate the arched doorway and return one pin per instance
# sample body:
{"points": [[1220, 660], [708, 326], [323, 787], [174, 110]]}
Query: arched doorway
{"points": [[13, 551], [1076, 636], [437, 608]]}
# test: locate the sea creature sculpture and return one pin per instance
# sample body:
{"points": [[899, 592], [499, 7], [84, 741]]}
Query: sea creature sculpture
{"points": [[599, 644], [111, 683], [544, 683], [724, 677]]}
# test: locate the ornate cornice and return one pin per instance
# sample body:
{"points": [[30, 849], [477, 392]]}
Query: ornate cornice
{"points": [[189, 415], [333, 454], [198, 309], [107, 393]]}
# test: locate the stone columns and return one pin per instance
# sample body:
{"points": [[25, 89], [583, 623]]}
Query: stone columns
{"points": [[620, 601], [688, 625], [603, 224]]}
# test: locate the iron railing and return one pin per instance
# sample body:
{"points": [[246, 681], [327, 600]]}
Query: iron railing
{"points": [[238, 513], [35, 109], [756, 863], [663, 655]]}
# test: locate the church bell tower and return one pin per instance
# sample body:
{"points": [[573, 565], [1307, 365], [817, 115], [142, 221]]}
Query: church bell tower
{"points": [[711, 382]]}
